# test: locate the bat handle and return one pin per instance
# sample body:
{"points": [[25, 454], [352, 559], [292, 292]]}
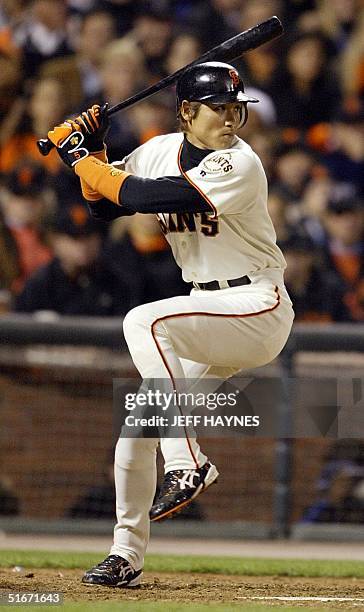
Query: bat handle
{"points": [[45, 146]]}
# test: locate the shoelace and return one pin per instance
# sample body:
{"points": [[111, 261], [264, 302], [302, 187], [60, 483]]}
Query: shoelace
{"points": [[109, 562]]}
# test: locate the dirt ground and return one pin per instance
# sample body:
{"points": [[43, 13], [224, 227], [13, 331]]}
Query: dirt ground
{"points": [[190, 588]]}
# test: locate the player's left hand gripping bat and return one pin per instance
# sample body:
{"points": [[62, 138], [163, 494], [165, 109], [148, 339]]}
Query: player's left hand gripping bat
{"points": [[227, 51]]}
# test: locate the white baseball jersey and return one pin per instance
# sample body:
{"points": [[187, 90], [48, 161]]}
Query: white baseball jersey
{"points": [[237, 238]]}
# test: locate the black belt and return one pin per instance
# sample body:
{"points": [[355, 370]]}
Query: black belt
{"points": [[215, 284]]}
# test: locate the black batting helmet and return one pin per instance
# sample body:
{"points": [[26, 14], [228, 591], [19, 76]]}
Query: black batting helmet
{"points": [[214, 82]]}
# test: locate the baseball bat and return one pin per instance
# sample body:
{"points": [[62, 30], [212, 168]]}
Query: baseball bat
{"points": [[227, 51]]}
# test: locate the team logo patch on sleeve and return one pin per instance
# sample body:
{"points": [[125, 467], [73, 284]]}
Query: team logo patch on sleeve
{"points": [[217, 164]]}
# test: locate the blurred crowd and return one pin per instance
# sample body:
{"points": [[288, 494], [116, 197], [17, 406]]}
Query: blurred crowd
{"points": [[339, 491], [59, 56]]}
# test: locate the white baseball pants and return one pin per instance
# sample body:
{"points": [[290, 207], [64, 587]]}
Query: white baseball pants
{"points": [[208, 333]]}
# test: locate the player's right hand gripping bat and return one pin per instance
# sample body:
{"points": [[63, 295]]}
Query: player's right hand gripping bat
{"points": [[227, 51]]}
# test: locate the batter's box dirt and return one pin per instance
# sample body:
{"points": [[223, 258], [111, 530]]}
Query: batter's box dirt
{"points": [[192, 588]]}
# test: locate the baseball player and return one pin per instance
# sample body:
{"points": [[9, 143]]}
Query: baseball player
{"points": [[209, 191]]}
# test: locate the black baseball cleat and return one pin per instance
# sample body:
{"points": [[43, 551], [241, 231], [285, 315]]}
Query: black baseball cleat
{"points": [[179, 488], [114, 571]]}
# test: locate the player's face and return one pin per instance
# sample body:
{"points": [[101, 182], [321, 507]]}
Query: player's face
{"points": [[215, 126]]}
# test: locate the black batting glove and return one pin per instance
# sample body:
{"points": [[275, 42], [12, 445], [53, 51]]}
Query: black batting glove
{"points": [[94, 124], [70, 143]]}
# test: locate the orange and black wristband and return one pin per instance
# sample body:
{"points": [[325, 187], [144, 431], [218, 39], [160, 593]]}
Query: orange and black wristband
{"points": [[103, 180]]}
